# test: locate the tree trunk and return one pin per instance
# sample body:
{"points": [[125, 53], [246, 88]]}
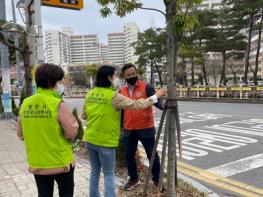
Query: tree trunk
{"points": [[192, 72], [204, 73], [235, 77], [255, 77], [203, 65], [184, 76], [152, 80], [251, 23], [27, 67], [171, 113], [159, 74], [223, 71]]}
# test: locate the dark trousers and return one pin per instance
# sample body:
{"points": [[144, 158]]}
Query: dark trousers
{"points": [[131, 143], [65, 181]]}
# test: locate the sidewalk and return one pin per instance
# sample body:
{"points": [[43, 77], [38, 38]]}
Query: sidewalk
{"points": [[15, 181]]}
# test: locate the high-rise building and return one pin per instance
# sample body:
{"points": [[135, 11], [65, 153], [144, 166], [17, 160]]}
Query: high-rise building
{"points": [[104, 53], [116, 48], [84, 49], [210, 4], [57, 47], [130, 36]]}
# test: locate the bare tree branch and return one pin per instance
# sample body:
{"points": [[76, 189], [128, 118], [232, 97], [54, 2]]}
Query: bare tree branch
{"points": [[4, 40], [153, 9]]}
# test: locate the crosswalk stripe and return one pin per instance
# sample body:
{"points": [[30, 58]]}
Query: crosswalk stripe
{"points": [[239, 166]]}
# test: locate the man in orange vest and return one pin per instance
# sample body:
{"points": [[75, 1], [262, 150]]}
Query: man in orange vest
{"points": [[138, 125]]}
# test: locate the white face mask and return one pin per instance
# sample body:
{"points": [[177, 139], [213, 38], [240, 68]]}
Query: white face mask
{"points": [[115, 82], [60, 89]]}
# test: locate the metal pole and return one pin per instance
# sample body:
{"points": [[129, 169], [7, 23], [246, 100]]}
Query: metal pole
{"points": [[163, 158], [37, 21], [6, 82], [18, 67], [154, 152], [35, 35]]}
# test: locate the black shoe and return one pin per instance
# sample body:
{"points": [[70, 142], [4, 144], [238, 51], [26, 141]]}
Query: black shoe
{"points": [[131, 184]]}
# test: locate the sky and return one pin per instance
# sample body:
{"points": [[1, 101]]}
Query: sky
{"points": [[89, 21]]}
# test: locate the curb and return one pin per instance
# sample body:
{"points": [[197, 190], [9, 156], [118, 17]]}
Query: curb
{"points": [[197, 185], [189, 180]]}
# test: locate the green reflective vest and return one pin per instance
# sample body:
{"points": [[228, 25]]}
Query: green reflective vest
{"points": [[46, 146], [103, 120]]}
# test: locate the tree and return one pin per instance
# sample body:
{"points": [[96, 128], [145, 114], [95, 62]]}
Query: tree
{"points": [[195, 41], [227, 38], [24, 49], [246, 10], [234, 66], [79, 78], [259, 27], [190, 53], [91, 70], [150, 48]]}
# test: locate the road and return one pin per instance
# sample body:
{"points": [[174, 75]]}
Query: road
{"points": [[224, 139]]}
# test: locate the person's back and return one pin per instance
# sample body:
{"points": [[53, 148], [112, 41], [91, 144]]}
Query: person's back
{"points": [[47, 128], [45, 144], [103, 122]]}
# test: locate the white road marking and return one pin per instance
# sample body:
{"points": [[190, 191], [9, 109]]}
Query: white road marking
{"points": [[191, 117], [199, 142], [239, 166]]}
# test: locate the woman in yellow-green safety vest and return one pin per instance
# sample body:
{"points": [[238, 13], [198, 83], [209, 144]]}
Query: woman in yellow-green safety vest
{"points": [[47, 128], [102, 108]]}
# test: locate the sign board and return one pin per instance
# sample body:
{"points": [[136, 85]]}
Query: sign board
{"points": [[6, 101], [20, 83], [68, 4]]}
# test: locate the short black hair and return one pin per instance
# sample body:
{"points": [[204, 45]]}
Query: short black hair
{"points": [[103, 73], [47, 75], [127, 66]]}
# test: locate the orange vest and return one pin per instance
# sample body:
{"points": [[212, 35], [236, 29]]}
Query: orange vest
{"points": [[137, 119]]}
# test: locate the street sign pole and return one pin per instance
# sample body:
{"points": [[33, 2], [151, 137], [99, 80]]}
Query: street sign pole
{"points": [[18, 66], [35, 35], [6, 94]]}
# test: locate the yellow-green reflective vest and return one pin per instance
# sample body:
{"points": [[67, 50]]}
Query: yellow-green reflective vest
{"points": [[103, 120], [46, 146]]}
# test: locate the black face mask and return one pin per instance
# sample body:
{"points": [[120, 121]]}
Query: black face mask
{"points": [[132, 81]]}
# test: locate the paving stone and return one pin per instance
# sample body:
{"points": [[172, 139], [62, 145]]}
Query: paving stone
{"points": [[16, 181]]}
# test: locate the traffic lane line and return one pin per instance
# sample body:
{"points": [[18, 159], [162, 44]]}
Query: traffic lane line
{"points": [[215, 179], [239, 166]]}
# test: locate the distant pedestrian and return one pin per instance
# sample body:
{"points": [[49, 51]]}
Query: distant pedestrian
{"points": [[102, 107], [47, 128]]}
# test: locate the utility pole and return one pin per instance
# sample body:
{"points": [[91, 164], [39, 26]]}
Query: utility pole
{"points": [[34, 35], [18, 66], [6, 95]]}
